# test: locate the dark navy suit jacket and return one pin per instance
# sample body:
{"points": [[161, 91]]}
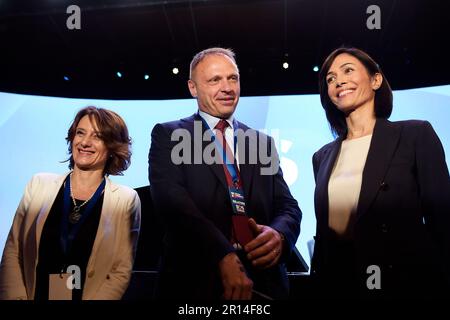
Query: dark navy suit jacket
{"points": [[402, 223], [193, 202]]}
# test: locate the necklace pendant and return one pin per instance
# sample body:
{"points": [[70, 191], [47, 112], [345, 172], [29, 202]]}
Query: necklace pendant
{"points": [[75, 215]]}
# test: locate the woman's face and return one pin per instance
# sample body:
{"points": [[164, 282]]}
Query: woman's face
{"points": [[349, 84], [88, 149]]}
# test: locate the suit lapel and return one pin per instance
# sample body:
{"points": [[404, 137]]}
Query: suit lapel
{"points": [[100, 258], [47, 205], [382, 147], [110, 200], [200, 144], [323, 177], [246, 169], [32, 247]]}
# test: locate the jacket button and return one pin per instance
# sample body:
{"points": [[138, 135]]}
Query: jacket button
{"points": [[91, 273], [107, 277], [384, 228], [384, 186]]}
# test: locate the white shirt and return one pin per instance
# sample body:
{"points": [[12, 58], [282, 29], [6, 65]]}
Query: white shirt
{"points": [[344, 186], [229, 131]]}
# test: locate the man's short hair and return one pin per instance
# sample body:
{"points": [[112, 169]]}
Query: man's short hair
{"points": [[211, 51]]}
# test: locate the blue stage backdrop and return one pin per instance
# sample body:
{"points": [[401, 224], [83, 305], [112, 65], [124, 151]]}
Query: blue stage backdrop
{"points": [[33, 131]]}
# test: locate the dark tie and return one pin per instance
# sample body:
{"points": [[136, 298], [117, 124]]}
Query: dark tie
{"points": [[240, 231]]}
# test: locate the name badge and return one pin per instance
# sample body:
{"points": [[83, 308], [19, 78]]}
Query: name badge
{"points": [[237, 200], [241, 228], [59, 286]]}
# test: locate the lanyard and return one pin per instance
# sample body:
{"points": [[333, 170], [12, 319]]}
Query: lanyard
{"points": [[229, 164], [235, 190], [66, 236], [241, 232]]}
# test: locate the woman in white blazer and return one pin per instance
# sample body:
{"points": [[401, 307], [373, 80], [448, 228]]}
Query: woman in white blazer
{"points": [[74, 236]]}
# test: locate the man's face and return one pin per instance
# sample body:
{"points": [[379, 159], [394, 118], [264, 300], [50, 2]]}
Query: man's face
{"points": [[215, 84]]}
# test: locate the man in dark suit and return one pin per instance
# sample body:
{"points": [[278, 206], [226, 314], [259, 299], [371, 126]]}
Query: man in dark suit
{"points": [[207, 251]]}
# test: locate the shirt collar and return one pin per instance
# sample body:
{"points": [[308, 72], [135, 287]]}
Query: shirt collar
{"points": [[212, 121]]}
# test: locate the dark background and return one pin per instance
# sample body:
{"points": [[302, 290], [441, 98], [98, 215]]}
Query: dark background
{"points": [[139, 37]]}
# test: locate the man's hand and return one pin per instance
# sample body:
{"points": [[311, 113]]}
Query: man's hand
{"points": [[265, 250], [236, 284]]}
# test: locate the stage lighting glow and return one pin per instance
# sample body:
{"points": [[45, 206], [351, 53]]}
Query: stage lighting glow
{"points": [[66, 78], [119, 74], [316, 69], [285, 65], [175, 70], [146, 77]]}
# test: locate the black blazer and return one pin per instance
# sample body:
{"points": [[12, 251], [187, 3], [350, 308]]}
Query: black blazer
{"points": [[402, 222], [193, 202]]}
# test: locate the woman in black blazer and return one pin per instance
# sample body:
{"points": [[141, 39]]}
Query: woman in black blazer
{"points": [[382, 195]]}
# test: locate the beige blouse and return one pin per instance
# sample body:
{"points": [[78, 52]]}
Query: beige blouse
{"points": [[345, 183]]}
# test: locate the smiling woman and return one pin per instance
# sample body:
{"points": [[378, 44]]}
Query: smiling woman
{"points": [[350, 87], [88, 149], [382, 193], [79, 221], [349, 79], [99, 139]]}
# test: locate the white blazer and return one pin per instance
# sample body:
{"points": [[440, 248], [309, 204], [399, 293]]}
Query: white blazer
{"points": [[110, 264]]}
